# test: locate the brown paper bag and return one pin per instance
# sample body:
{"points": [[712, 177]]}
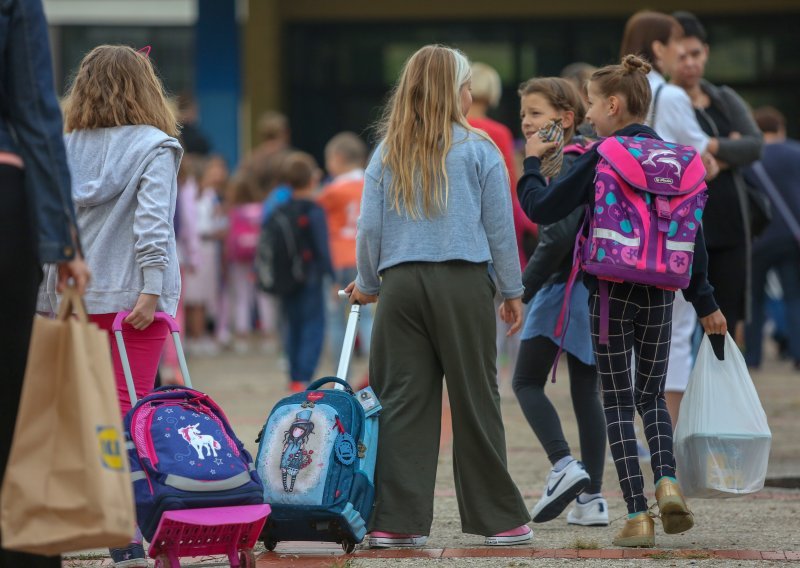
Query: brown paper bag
{"points": [[67, 486]]}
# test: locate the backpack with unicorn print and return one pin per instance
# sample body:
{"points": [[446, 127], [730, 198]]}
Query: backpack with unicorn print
{"points": [[185, 455]]}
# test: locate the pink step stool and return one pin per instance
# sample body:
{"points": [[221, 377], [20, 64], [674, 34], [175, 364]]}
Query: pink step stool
{"points": [[206, 532]]}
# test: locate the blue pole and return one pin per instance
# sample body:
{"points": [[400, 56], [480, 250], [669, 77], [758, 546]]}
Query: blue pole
{"points": [[218, 76]]}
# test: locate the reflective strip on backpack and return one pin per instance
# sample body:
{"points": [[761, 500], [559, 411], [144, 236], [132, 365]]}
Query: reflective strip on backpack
{"points": [[138, 475], [677, 245], [187, 484], [617, 237]]}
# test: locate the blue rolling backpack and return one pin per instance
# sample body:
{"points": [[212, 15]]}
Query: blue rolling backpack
{"points": [[182, 450], [316, 458]]}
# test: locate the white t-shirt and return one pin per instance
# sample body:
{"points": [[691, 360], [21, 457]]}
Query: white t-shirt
{"points": [[675, 120]]}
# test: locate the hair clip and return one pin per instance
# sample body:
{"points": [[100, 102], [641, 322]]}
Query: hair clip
{"points": [[145, 51]]}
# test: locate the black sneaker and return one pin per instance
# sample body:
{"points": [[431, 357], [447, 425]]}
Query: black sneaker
{"points": [[131, 556]]}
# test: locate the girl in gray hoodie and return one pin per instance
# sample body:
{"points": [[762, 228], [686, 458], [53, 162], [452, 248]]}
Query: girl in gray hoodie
{"points": [[124, 158]]}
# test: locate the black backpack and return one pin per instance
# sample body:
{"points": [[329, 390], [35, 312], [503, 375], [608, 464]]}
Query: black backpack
{"points": [[286, 249]]}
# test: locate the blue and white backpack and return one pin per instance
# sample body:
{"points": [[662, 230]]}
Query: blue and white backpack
{"points": [[316, 458], [184, 455]]}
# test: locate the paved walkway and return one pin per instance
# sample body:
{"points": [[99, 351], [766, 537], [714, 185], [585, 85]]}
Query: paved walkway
{"points": [[748, 531]]}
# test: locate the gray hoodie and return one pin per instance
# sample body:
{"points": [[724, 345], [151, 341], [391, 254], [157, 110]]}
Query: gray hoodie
{"points": [[124, 183]]}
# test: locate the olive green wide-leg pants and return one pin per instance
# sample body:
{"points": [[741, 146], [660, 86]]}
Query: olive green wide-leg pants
{"points": [[435, 320]]}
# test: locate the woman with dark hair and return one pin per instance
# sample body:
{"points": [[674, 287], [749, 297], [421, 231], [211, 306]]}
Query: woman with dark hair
{"points": [[657, 37], [735, 141]]}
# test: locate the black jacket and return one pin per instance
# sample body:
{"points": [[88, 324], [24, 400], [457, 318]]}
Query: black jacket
{"points": [[551, 261], [548, 204]]}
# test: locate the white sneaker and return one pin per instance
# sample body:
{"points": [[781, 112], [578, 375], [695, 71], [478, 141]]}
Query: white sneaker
{"points": [[591, 514], [559, 491], [519, 535]]}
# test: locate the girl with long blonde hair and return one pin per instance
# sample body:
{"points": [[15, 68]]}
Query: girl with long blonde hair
{"points": [[435, 212], [124, 158]]}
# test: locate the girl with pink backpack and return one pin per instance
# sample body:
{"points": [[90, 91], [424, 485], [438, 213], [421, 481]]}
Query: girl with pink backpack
{"points": [[641, 240]]}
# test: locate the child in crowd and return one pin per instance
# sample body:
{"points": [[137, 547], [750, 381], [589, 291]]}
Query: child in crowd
{"points": [[345, 157], [244, 212], [656, 37], [201, 285], [124, 159], [635, 316], [541, 101], [436, 211], [303, 309]]}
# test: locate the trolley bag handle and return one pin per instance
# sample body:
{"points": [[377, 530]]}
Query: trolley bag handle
{"points": [[174, 329], [340, 384], [349, 340]]}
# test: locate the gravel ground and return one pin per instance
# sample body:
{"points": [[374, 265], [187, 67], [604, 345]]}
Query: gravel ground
{"points": [[248, 386]]}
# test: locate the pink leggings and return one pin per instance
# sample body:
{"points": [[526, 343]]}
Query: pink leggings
{"points": [[144, 351]]}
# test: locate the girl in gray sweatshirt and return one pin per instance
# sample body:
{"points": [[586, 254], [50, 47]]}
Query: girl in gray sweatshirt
{"points": [[124, 158]]}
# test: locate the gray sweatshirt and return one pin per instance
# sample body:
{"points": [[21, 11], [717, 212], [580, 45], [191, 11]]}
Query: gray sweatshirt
{"points": [[477, 226], [124, 183]]}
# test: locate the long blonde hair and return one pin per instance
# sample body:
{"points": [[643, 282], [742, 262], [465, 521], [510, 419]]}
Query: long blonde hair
{"points": [[117, 86], [417, 128]]}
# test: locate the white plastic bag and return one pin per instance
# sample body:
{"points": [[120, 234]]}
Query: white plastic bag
{"points": [[722, 439]]}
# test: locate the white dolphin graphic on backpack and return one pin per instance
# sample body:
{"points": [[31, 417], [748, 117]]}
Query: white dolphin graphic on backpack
{"points": [[663, 157], [199, 441]]}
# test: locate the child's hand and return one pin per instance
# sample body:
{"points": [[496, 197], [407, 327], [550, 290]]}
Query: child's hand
{"points": [[714, 323], [358, 297], [511, 313], [144, 311], [537, 147]]}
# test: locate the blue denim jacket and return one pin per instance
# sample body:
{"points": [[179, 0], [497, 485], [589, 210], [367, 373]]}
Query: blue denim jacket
{"points": [[30, 124]]}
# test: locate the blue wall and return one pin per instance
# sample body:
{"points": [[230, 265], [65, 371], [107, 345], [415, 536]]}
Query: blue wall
{"points": [[218, 75]]}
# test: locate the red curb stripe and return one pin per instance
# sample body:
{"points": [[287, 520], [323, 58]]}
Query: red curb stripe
{"points": [[314, 560]]}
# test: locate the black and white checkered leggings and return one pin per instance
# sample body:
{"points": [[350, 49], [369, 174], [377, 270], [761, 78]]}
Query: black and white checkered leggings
{"points": [[640, 319]]}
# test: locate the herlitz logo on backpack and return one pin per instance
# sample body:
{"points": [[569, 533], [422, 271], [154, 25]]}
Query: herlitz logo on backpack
{"points": [[110, 449]]}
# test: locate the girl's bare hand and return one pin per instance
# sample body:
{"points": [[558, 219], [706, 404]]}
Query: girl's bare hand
{"points": [[143, 313], [358, 297], [714, 323], [511, 313], [537, 147]]}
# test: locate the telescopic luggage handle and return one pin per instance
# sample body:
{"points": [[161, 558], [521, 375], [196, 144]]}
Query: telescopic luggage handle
{"points": [[349, 340], [175, 331]]}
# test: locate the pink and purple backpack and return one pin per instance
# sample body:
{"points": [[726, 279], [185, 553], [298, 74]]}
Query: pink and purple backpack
{"points": [[649, 200]]}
